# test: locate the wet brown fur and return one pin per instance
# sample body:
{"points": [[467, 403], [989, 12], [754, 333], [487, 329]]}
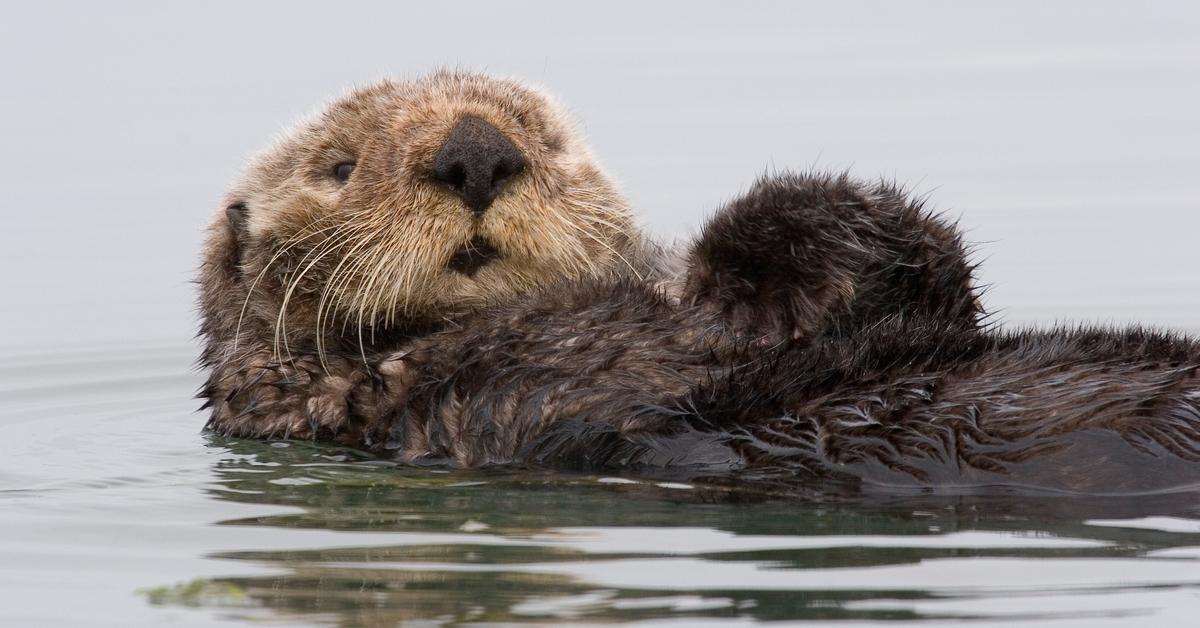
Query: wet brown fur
{"points": [[822, 329], [906, 402]]}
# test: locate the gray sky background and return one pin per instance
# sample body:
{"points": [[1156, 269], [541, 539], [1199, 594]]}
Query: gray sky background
{"points": [[1064, 135]]}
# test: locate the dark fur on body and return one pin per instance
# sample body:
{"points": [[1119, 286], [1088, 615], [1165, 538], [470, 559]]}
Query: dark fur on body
{"points": [[826, 330], [905, 402]]}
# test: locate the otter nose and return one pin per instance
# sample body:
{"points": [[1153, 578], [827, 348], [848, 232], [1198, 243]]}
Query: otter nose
{"points": [[476, 162]]}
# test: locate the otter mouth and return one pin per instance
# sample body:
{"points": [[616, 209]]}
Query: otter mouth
{"points": [[475, 255]]}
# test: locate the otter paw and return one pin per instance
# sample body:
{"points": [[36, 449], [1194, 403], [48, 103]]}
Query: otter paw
{"points": [[802, 254], [778, 260], [302, 399]]}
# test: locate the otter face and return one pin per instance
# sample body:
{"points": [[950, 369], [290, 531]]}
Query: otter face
{"points": [[413, 201]]}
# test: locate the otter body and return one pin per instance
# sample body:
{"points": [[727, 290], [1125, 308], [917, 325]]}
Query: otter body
{"points": [[910, 402], [485, 299]]}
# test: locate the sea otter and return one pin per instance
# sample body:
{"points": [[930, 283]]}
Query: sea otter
{"points": [[437, 270]]}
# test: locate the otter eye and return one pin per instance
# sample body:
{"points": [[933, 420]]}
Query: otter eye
{"points": [[342, 171]]}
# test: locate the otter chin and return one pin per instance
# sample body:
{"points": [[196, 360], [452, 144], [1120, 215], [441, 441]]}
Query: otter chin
{"points": [[473, 256]]}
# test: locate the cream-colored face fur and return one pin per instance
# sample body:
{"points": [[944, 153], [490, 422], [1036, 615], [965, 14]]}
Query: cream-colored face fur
{"points": [[326, 258]]}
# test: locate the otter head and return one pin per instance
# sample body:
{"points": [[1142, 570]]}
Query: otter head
{"points": [[405, 203]]}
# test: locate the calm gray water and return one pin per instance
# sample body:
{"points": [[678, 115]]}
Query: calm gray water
{"points": [[1063, 136]]}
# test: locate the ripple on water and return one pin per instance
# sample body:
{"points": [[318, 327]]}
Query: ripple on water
{"points": [[113, 498]]}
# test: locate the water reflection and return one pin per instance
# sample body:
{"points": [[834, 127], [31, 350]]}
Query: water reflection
{"points": [[419, 544]]}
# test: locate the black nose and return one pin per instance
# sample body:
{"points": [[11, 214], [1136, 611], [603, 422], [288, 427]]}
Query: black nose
{"points": [[475, 163]]}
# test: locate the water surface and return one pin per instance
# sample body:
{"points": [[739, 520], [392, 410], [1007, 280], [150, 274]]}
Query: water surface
{"points": [[117, 511], [1063, 136]]}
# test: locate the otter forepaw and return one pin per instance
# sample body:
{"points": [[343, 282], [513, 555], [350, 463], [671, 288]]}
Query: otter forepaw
{"points": [[777, 260], [298, 399], [802, 254]]}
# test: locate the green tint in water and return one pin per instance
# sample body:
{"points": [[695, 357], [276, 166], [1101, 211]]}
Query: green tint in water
{"points": [[116, 511], [531, 547], [1062, 134]]}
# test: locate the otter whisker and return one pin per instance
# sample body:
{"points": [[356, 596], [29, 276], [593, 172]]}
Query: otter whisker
{"points": [[293, 282], [398, 283], [346, 274], [596, 217], [601, 241], [554, 229], [288, 244], [332, 284], [598, 240], [364, 298], [327, 245], [372, 264]]}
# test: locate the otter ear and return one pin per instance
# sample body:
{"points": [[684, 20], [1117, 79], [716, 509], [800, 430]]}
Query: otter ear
{"points": [[235, 214]]}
